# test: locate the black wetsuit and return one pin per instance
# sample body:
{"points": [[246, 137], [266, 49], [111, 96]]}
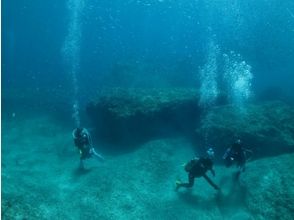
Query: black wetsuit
{"points": [[235, 154], [82, 142], [201, 166]]}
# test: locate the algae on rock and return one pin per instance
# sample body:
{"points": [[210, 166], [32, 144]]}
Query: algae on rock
{"points": [[267, 128]]}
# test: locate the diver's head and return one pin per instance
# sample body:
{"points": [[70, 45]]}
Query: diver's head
{"points": [[210, 153]]}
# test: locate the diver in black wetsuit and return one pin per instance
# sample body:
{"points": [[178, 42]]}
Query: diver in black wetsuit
{"points": [[236, 155], [198, 167], [83, 142]]}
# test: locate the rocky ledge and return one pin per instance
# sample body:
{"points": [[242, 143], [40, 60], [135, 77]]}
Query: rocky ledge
{"points": [[131, 116], [266, 128], [126, 118]]}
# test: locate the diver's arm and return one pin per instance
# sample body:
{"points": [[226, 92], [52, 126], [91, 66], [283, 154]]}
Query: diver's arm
{"points": [[226, 153], [75, 138], [212, 171], [210, 182], [90, 140], [73, 134]]}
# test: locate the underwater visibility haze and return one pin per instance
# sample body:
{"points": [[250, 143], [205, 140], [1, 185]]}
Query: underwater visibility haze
{"points": [[103, 101]]}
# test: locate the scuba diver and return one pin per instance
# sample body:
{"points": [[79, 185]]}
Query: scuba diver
{"points": [[83, 142], [198, 167], [236, 154]]}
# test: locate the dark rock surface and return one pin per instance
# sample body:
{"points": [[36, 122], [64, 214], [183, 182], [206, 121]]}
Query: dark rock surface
{"points": [[133, 116], [266, 128], [126, 118]]}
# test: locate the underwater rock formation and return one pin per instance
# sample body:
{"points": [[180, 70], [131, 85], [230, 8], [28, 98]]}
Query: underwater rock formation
{"points": [[127, 116], [266, 128], [270, 192], [130, 117]]}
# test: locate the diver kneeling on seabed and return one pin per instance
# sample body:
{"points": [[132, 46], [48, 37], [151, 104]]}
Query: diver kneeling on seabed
{"points": [[83, 141], [198, 167]]}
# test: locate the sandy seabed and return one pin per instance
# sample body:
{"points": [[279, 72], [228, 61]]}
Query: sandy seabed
{"points": [[41, 180]]}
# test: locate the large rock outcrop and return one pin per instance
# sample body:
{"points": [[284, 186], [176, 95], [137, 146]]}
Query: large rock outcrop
{"points": [[266, 128], [129, 117], [132, 116]]}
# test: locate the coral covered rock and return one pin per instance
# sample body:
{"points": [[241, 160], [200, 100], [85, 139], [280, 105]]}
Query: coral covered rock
{"points": [[270, 193], [136, 115], [267, 129]]}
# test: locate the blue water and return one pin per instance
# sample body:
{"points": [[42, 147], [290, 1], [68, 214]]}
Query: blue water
{"points": [[168, 37]]}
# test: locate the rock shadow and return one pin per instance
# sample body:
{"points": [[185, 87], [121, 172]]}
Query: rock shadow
{"points": [[233, 194], [196, 201]]}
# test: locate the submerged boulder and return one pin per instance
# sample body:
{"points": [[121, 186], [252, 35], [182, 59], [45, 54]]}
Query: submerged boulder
{"points": [[266, 128], [131, 116], [270, 191]]}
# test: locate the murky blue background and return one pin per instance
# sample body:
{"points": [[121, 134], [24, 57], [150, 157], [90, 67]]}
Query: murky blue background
{"points": [[162, 42]]}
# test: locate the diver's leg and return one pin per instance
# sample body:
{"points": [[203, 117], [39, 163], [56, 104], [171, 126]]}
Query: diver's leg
{"points": [[98, 156], [82, 164], [237, 174], [243, 167], [186, 185]]}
